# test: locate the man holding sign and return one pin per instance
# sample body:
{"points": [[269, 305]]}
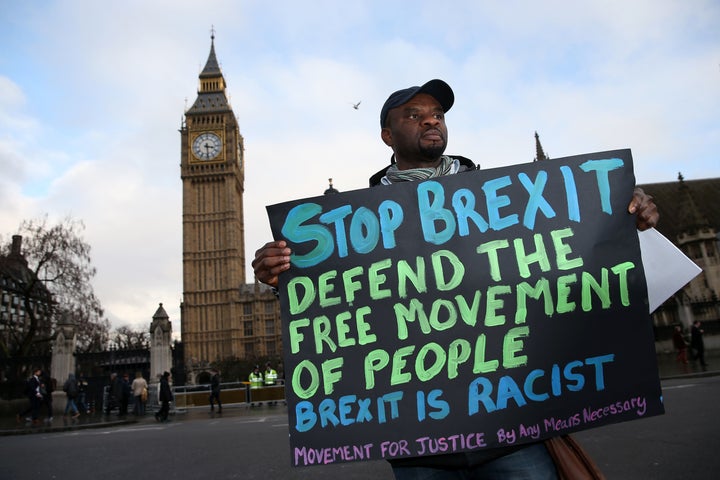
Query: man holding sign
{"points": [[413, 125]]}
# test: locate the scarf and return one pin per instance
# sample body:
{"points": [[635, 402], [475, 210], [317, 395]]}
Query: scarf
{"points": [[447, 166]]}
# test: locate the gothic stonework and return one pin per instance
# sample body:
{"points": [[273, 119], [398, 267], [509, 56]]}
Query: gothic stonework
{"points": [[160, 344], [690, 218], [63, 358], [221, 317]]}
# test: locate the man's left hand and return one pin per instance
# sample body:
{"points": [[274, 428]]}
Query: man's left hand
{"points": [[644, 209]]}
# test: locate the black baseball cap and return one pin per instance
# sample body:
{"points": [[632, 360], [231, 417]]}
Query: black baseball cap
{"points": [[436, 88]]}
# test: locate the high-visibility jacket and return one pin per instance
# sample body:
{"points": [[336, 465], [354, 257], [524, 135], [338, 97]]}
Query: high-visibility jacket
{"points": [[256, 380], [270, 376]]}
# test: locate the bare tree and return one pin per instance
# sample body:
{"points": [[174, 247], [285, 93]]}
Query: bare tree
{"points": [[93, 336], [126, 337], [58, 262]]}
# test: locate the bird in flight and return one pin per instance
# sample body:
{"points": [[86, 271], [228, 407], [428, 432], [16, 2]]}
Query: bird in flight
{"points": [[356, 106]]}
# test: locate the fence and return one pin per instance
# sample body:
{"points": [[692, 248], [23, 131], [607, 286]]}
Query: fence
{"points": [[230, 393], [199, 396]]}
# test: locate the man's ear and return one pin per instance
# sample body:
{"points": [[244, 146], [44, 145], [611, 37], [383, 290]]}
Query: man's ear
{"points": [[386, 136]]}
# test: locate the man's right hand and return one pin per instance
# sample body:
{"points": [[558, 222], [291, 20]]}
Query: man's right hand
{"points": [[271, 260]]}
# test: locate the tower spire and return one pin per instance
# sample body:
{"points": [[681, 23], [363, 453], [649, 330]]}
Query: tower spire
{"points": [[539, 152], [211, 97], [212, 67], [692, 219], [330, 190]]}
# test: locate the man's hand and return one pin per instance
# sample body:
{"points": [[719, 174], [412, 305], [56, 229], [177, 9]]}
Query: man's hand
{"points": [[645, 210], [271, 260]]}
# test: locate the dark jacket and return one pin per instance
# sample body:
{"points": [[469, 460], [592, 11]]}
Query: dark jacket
{"points": [[696, 340], [116, 388], [165, 391], [678, 340], [215, 383], [71, 386], [32, 387], [125, 387]]}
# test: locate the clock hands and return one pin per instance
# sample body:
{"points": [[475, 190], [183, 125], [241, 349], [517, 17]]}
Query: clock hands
{"points": [[207, 146]]}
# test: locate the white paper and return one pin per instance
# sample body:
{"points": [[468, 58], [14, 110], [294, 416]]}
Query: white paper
{"points": [[667, 269]]}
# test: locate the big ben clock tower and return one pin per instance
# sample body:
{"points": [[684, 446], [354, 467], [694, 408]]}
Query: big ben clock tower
{"points": [[212, 172]]}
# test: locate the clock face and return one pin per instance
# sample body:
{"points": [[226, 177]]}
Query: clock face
{"points": [[206, 146]]}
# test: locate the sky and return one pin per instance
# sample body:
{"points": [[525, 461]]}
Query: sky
{"points": [[92, 95]]}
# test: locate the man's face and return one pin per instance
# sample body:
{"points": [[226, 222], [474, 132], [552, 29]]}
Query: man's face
{"points": [[416, 131]]}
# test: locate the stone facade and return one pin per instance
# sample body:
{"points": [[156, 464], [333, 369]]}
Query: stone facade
{"points": [[160, 344], [63, 352], [221, 316], [690, 218]]}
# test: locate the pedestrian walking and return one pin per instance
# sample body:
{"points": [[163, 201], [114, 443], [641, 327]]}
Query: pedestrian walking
{"points": [[215, 391], [165, 396], [680, 345], [70, 387], [34, 396], [82, 395], [697, 343]]}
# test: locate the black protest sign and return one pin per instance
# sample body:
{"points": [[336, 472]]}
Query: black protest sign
{"points": [[473, 311]]}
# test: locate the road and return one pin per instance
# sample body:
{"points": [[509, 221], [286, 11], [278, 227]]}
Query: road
{"points": [[252, 444]]}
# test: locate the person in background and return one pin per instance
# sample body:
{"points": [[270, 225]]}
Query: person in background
{"points": [[82, 395], [32, 391], [139, 385], [256, 378], [412, 122], [114, 393], [165, 396], [70, 387], [697, 344], [215, 391], [270, 375], [680, 345], [125, 392]]}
